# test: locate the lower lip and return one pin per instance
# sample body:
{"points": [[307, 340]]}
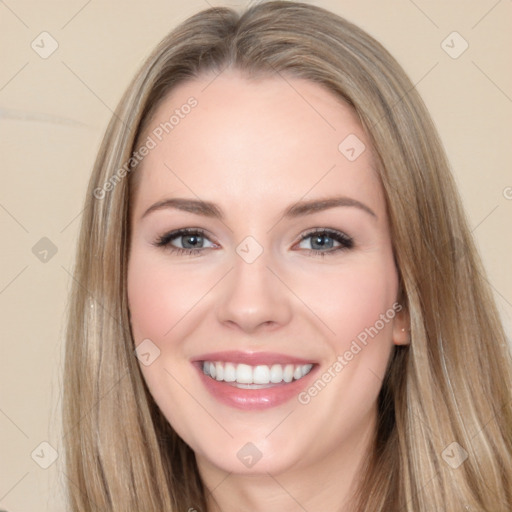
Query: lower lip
{"points": [[254, 399]]}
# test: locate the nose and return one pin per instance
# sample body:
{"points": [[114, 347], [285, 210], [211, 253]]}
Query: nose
{"points": [[253, 297]]}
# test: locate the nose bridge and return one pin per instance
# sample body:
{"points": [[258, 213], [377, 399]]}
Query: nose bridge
{"points": [[252, 295]]}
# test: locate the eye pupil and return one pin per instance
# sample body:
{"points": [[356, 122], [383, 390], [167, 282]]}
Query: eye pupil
{"points": [[192, 241], [319, 242]]}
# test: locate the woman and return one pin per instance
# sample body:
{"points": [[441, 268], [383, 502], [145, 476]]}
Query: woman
{"points": [[213, 362]]}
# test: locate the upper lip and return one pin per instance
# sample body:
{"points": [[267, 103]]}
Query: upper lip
{"points": [[251, 358]]}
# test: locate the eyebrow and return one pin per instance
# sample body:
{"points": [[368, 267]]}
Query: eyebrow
{"points": [[299, 209]]}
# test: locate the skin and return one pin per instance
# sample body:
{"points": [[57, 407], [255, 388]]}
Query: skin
{"points": [[254, 147]]}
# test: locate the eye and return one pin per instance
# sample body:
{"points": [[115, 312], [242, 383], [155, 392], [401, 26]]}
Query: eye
{"points": [[191, 240], [322, 242]]}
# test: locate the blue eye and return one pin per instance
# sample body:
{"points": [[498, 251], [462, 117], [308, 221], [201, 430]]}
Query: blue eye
{"points": [[322, 242], [192, 241]]}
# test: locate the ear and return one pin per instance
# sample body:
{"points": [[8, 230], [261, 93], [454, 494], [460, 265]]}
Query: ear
{"points": [[401, 327]]}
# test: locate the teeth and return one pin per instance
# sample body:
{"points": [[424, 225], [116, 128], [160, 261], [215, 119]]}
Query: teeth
{"points": [[260, 374], [229, 372], [288, 373], [219, 371], [244, 374], [276, 373]]}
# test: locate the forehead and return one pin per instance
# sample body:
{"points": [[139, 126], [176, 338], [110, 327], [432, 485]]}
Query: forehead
{"points": [[269, 139]]}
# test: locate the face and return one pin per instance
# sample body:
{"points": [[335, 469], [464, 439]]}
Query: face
{"points": [[261, 280]]}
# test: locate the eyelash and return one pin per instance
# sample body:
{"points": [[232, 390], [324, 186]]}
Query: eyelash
{"points": [[346, 242]]}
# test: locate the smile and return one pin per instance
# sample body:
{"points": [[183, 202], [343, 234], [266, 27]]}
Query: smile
{"points": [[254, 381], [254, 377]]}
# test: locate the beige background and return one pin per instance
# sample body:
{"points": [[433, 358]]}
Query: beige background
{"points": [[53, 113]]}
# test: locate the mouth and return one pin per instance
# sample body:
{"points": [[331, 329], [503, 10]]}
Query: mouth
{"points": [[253, 381], [245, 376]]}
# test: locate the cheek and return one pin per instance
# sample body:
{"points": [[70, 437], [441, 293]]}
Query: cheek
{"points": [[158, 300], [159, 297], [150, 302], [353, 299], [358, 305]]}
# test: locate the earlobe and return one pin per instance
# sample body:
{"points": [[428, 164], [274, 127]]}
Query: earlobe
{"points": [[404, 337], [401, 329]]}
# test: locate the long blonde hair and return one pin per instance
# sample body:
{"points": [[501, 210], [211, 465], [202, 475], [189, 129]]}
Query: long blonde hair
{"points": [[445, 397]]}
